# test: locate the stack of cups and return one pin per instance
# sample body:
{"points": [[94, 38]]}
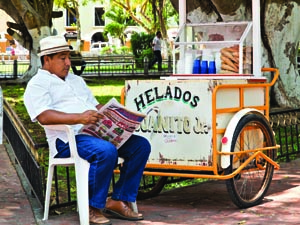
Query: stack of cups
{"points": [[204, 67], [209, 63], [180, 67], [218, 61], [196, 66], [188, 62], [212, 67], [204, 62]]}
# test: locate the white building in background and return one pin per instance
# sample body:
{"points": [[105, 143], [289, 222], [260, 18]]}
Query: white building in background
{"points": [[7, 43], [92, 24], [91, 21]]}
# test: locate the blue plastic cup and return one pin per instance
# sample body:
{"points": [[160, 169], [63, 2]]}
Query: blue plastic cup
{"points": [[204, 67], [212, 67], [196, 66]]}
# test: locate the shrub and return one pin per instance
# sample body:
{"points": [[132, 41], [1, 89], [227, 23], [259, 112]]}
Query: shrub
{"points": [[114, 50], [125, 50], [141, 47]]}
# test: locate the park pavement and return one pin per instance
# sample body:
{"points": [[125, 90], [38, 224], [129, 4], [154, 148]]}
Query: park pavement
{"points": [[206, 203]]}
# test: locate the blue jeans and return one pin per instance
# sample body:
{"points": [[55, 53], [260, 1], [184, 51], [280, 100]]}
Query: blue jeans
{"points": [[103, 156]]}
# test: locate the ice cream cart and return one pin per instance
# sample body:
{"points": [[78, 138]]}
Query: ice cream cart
{"points": [[211, 123]]}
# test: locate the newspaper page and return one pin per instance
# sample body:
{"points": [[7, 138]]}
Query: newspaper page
{"points": [[116, 125]]}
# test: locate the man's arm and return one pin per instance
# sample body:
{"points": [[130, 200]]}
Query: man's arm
{"points": [[56, 117]]}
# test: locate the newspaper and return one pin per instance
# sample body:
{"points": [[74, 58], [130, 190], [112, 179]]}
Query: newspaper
{"points": [[116, 125]]}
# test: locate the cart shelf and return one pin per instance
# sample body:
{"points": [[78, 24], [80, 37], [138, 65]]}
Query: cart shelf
{"points": [[228, 44]]}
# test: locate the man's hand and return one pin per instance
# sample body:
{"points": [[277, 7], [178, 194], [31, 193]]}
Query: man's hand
{"points": [[90, 117]]}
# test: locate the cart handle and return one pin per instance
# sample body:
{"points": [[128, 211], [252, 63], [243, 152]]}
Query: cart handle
{"points": [[276, 71]]}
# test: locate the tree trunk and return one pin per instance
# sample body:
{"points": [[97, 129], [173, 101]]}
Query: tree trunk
{"points": [[35, 63], [33, 21], [78, 24], [280, 38]]}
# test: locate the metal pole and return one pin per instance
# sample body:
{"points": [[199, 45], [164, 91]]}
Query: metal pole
{"points": [[15, 69], [169, 63], [256, 38], [146, 63], [182, 12], [182, 22]]}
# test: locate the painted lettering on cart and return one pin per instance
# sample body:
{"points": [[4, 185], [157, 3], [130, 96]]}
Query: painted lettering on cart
{"points": [[173, 124], [153, 95]]}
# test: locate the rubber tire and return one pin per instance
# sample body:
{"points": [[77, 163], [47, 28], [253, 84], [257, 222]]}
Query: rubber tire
{"points": [[154, 191], [243, 198]]}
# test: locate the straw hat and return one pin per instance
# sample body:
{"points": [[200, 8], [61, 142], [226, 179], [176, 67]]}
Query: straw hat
{"points": [[53, 44]]}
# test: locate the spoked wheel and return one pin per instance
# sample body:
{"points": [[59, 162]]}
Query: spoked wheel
{"points": [[249, 187], [151, 186]]}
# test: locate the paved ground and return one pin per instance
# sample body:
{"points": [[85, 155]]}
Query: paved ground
{"points": [[206, 203], [15, 208]]}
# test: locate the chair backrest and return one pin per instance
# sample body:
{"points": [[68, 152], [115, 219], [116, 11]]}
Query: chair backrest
{"points": [[71, 138]]}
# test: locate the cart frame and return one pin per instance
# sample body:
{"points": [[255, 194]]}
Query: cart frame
{"points": [[224, 152]]}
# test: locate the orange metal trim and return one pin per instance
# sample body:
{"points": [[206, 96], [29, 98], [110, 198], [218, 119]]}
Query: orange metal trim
{"points": [[234, 110], [221, 131], [241, 88], [179, 167], [217, 176], [250, 150], [123, 96]]}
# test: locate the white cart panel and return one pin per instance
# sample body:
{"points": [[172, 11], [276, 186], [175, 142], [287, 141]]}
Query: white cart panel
{"points": [[179, 121]]}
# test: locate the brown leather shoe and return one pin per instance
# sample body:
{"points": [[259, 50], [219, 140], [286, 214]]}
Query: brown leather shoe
{"points": [[96, 217], [121, 210]]}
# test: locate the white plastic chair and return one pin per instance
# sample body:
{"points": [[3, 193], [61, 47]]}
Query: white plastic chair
{"points": [[81, 175]]}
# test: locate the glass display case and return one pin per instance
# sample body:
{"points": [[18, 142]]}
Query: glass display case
{"points": [[214, 48]]}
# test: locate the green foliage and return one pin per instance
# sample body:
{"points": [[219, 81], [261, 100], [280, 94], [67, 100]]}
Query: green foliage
{"points": [[105, 89], [149, 14], [141, 46], [147, 53], [67, 4], [287, 138], [115, 29], [170, 14], [119, 15], [108, 50], [184, 183], [125, 50], [13, 94], [120, 21]]}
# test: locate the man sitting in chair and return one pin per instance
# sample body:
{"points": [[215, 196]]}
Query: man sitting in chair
{"points": [[55, 96]]}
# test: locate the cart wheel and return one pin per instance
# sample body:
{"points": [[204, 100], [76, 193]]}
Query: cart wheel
{"points": [[151, 186], [249, 187]]}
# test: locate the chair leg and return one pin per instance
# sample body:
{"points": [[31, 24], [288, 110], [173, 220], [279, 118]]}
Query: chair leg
{"points": [[82, 180], [134, 207], [48, 191]]}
